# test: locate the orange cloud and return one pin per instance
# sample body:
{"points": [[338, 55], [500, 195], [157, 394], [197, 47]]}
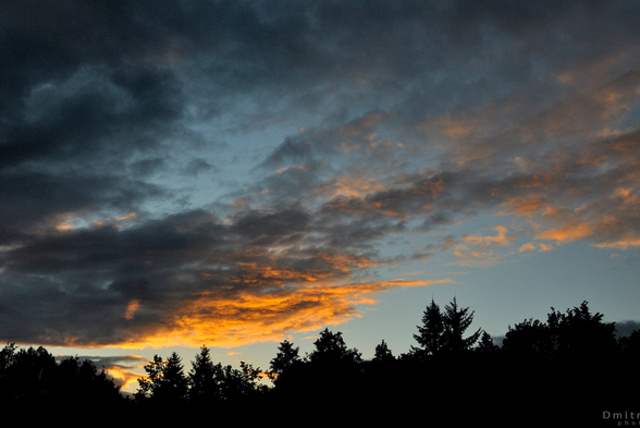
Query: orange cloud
{"points": [[527, 247], [129, 216], [501, 239], [527, 206], [66, 222], [478, 250], [352, 187], [131, 309], [250, 316], [626, 195], [127, 378], [568, 233], [628, 240]]}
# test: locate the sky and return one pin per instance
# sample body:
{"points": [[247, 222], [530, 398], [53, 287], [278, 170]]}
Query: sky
{"points": [[232, 174]]}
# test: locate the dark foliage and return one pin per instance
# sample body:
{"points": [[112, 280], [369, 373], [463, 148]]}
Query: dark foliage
{"points": [[32, 379], [568, 369]]}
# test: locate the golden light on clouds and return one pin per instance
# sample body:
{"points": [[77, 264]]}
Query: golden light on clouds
{"points": [[252, 316], [568, 233], [132, 307], [626, 242], [352, 186], [502, 238], [527, 206]]}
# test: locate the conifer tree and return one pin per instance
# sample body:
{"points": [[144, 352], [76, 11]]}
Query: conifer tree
{"points": [[430, 333], [456, 321], [174, 381], [383, 353], [485, 343], [443, 331], [205, 378], [165, 380]]}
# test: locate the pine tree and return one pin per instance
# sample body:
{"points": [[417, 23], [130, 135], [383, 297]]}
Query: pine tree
{"points": [[165, 380], [444, 331], [174, 381], [205, 378], [456, 321], [430, 333], [485, 343], [383, 353]]}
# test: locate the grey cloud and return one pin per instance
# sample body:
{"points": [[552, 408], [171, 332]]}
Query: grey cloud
{"points": [[80, 283], [34, 201], [91, 115], [119, 360], [100, 270]]}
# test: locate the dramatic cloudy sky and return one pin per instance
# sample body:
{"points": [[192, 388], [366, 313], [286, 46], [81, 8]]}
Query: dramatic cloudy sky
{"points": [[231, 173]]}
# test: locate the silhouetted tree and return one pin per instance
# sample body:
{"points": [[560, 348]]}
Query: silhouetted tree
{"points": [[630, 347], [383, 353], [444, 331], [332, 369], [7, 358], [148, 384], [241, 384], [165, 381], [287, 358], [80, 382], [456, 321], [205, 379], [32, 376], [486, 344], [538, 365], [379, 376], [330, 348], [530, 338], [173, 385], [579, 334], [576, 349], [575, 335], [430, 333]]}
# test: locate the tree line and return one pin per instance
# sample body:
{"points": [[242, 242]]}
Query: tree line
{"points": [[570, 366]]}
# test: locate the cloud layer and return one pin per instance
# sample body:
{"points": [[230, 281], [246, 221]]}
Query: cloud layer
{"points": [[225, 172]]}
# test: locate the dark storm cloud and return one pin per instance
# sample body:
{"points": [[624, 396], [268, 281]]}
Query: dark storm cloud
{"points": [[88, 114], [415, 116], [79, 102], [94, 274], [33, 201]]}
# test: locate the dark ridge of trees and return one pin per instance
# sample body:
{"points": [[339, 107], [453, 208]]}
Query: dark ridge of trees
{"points": [[564, 371]]}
